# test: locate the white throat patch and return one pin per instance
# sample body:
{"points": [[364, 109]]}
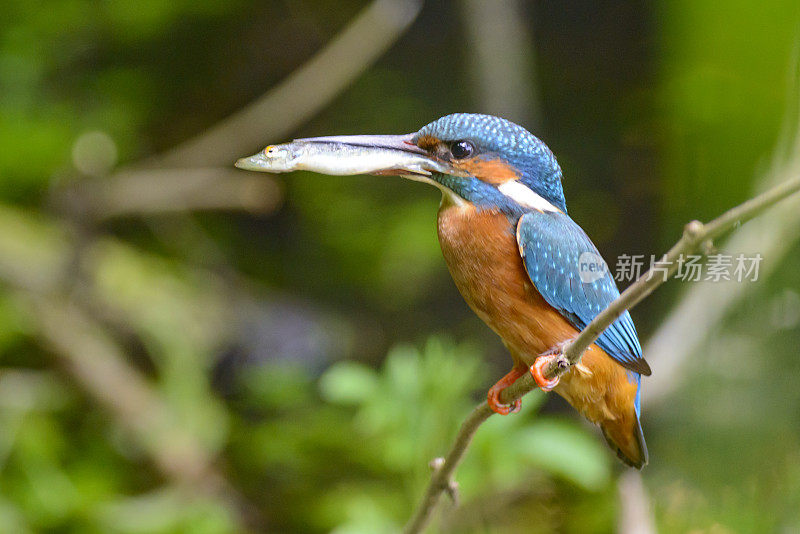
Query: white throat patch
{"points": [[525, 196]]}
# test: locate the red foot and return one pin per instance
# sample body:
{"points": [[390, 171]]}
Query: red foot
{"points": [[536, 372], [493, 397]]}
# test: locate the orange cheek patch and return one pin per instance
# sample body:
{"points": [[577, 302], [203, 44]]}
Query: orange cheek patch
{"points": [[493, 171]]}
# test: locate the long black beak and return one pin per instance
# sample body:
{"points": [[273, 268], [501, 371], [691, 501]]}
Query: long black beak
{"points": [[403, 143]]}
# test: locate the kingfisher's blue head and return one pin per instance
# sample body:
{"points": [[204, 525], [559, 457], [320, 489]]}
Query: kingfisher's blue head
{"points": [[490, 161]]}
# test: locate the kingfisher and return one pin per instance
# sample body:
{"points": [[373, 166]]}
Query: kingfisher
{"points": [[520, 262]]}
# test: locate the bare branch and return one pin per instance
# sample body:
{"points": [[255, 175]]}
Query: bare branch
{"points": [[155, 191], [443, 471], [701, 310], [306, 91], [169, 182], [502, 58], [695, 235], [636, 515], [188, 177]]}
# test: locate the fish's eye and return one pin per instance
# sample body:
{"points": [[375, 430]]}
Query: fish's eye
{"points": [[462, 149]]}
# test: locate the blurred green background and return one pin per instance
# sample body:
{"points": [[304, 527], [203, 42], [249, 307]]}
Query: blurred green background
{"points": [[189, 348]]}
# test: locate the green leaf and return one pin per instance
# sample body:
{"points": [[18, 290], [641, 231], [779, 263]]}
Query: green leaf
{"points": [[348, 383], [565, 450]]}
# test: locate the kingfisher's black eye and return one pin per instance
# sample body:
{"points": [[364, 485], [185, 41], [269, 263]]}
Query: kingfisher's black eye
{"points": [[462, 149]]}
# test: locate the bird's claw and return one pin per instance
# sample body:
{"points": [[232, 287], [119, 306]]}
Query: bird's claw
{"points": [[493, 397], [539, 364]]}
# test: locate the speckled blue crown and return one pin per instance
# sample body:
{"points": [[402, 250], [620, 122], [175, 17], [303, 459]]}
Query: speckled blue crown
{"points": [[490, 133], [526, 152]]}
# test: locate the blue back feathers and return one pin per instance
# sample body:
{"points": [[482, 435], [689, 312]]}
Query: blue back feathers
{"points": [[552, 246]]}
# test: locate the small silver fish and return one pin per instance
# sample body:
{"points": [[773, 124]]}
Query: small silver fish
{"points": [[344, 155]]}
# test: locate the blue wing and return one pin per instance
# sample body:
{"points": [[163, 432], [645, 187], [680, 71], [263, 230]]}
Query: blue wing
{"points": [[568, 271]]}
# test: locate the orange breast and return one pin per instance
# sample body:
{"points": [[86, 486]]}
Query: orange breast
{"points": [[480, 248], [481, 251]]}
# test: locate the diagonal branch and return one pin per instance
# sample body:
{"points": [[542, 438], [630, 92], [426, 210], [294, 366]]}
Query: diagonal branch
{"points": [[696, 236], [190, 176], [303, 93], [677, 338]]}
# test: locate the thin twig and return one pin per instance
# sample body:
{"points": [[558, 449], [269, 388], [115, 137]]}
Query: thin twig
{"points": [[636, 516], [197, 161], [138, 191], [671, 346], [695, 236], [442, 474], [501, 57]]}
